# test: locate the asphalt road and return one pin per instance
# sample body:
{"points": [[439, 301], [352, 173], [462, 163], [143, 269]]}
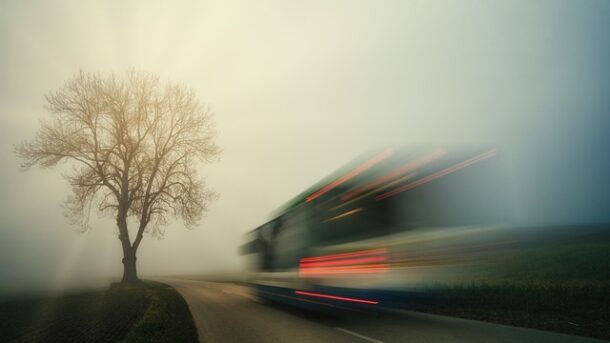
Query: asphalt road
{"points": [[226, 312]]}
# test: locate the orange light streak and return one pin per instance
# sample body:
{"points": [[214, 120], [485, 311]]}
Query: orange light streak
{"points": [[345, 255], [344, 214], [361, 269]]}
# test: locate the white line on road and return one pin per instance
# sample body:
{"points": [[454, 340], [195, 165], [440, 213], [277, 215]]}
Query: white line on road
{"points": [[366, 338]]}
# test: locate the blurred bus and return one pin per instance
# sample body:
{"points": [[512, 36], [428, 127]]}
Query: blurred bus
{"points": [[381, 228]]}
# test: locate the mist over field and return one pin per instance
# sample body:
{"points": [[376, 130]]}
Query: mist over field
{"points": [[297, 91]]}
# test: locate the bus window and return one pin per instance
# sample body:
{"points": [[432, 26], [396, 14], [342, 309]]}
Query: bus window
{"points": [[291, 240], [471, 196]]}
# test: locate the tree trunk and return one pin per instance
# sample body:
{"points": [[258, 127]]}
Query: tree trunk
{"points": [[130, 274]]}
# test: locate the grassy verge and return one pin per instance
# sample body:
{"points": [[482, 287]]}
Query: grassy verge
{"points": [[148, 312], [573, 309], [167, 319], [562, 287]]}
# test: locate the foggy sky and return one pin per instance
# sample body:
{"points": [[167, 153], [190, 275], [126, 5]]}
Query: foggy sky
{"points": [[298, 89]]}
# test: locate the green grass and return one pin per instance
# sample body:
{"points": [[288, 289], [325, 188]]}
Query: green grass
{"points": [[572, 309], [148, 312], [566, 263], [562, 286], [167, 319]]}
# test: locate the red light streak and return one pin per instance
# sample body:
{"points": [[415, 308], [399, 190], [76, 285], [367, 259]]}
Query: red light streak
{"points": [[438, 174], [345, 255], [361, 269], [359, 262], [366, 165], [335, 297]]}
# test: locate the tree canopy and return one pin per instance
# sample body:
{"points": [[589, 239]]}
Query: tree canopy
{"points": [[136, 145]]}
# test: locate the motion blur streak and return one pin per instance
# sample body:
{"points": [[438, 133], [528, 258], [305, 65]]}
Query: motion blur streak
{"points": [[362, 262], [317, 303], [382, 156], [436, 175], [409, 167], [334, 297], [451, 231], [345, 214], [345, 255], [459, 249], [446, 231], [344, 262], [359, 269], [379, 189]]}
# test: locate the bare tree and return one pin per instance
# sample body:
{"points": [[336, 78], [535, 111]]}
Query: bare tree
{"points": [[135, 145]]}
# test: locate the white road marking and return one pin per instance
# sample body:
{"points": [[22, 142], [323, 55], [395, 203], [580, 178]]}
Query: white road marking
{"points": [[366, 338]]}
